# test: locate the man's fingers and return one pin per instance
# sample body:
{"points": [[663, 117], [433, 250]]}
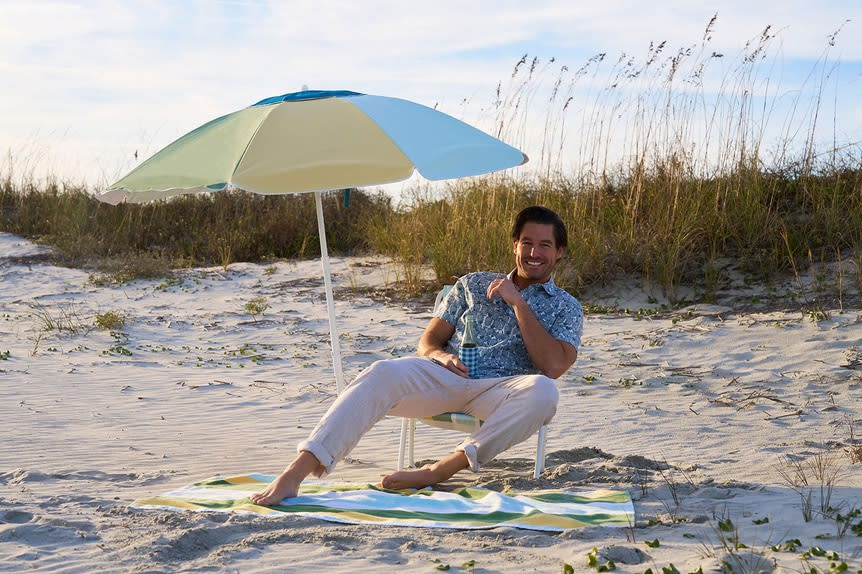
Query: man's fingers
{"points": [[460, 368], [493, 287], [453, 364]]}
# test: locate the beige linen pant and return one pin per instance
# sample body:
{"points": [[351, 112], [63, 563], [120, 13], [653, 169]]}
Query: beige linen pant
{"points": [[513, 408]]}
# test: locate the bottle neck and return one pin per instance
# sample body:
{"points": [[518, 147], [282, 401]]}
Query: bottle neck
{"points": [[469, 337]]}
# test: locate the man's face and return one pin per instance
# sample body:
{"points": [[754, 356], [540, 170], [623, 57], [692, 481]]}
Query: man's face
{"points": [[536, 253]]}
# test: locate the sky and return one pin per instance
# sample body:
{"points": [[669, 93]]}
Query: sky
{"points": [[90, 88]]}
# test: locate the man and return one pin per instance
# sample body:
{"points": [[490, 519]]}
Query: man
{"points": [[528, 332]]}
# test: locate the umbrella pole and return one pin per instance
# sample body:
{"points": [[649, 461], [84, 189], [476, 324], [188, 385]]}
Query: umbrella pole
{"points": [[330, 304]]}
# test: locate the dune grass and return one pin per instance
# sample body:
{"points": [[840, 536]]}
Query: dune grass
{"points": [[676, 170], [672, 231], [147, 240]]}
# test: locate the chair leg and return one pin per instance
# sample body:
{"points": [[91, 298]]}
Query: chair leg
{"points": [[411, 442], [540, 454], [402, 444]]}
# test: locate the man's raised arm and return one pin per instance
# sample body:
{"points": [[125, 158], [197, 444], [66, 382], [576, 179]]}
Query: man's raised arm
{"points": [[552, 356]]}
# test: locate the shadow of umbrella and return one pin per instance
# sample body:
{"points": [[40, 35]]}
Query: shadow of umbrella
{"points": [[316, 141]]}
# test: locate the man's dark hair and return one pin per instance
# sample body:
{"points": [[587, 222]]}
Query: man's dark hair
{"points": [[538, 214]]}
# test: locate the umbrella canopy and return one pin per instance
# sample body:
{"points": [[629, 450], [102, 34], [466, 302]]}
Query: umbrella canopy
{"points": [[315, 141]]}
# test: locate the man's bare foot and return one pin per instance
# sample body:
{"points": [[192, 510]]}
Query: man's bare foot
{"points": [[286, 484], [417, 478], [427, 475]]}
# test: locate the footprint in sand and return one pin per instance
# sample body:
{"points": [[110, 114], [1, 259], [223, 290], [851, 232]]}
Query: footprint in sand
{"points": [[15, 517]]}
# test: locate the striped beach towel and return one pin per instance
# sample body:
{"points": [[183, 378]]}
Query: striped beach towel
{"points": [[466, 508]]}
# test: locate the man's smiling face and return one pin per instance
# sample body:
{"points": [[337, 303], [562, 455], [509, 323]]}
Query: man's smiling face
{"points": [[536, 254]]}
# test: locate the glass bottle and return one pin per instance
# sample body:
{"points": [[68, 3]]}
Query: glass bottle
{"points": [[468, 352]]}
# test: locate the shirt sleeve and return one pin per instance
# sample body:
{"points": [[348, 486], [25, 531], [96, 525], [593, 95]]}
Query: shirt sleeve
{"points": [[569, 324], [454, 304]]}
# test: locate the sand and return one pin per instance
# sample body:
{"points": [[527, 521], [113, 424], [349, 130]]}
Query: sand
{"points": [[728, 423]]}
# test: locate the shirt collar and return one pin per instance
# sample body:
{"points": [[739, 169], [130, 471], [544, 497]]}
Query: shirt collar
{"points": [[549, 286]]}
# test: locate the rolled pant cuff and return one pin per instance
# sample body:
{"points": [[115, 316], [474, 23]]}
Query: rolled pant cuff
{"points": [[320, 453], [472, 454]]}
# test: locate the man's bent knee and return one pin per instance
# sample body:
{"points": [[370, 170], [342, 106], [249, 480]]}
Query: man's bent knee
{"points": [[384, 376], [386, 368], [544, 395]]}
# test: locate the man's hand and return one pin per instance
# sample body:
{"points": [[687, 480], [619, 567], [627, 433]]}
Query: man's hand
{"points": [[432, 342], [506, 290], [451, 362]]}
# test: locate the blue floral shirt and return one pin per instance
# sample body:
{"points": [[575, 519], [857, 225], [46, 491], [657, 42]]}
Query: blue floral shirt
{"points": [[502, 352]]}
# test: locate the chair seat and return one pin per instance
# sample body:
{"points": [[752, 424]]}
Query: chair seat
{"points": [[453, 421]]}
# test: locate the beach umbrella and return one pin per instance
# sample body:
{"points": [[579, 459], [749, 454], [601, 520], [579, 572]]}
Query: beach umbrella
{"points": [[316, 141]]}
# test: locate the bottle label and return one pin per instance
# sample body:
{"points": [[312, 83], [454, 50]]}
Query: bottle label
{"points": [[469, 355]]}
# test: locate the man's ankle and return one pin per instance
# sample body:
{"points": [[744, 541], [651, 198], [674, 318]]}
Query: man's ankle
{"points": [[304, 464]]}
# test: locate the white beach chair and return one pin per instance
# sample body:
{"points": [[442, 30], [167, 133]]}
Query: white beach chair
{"points": [[461, 422]]}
